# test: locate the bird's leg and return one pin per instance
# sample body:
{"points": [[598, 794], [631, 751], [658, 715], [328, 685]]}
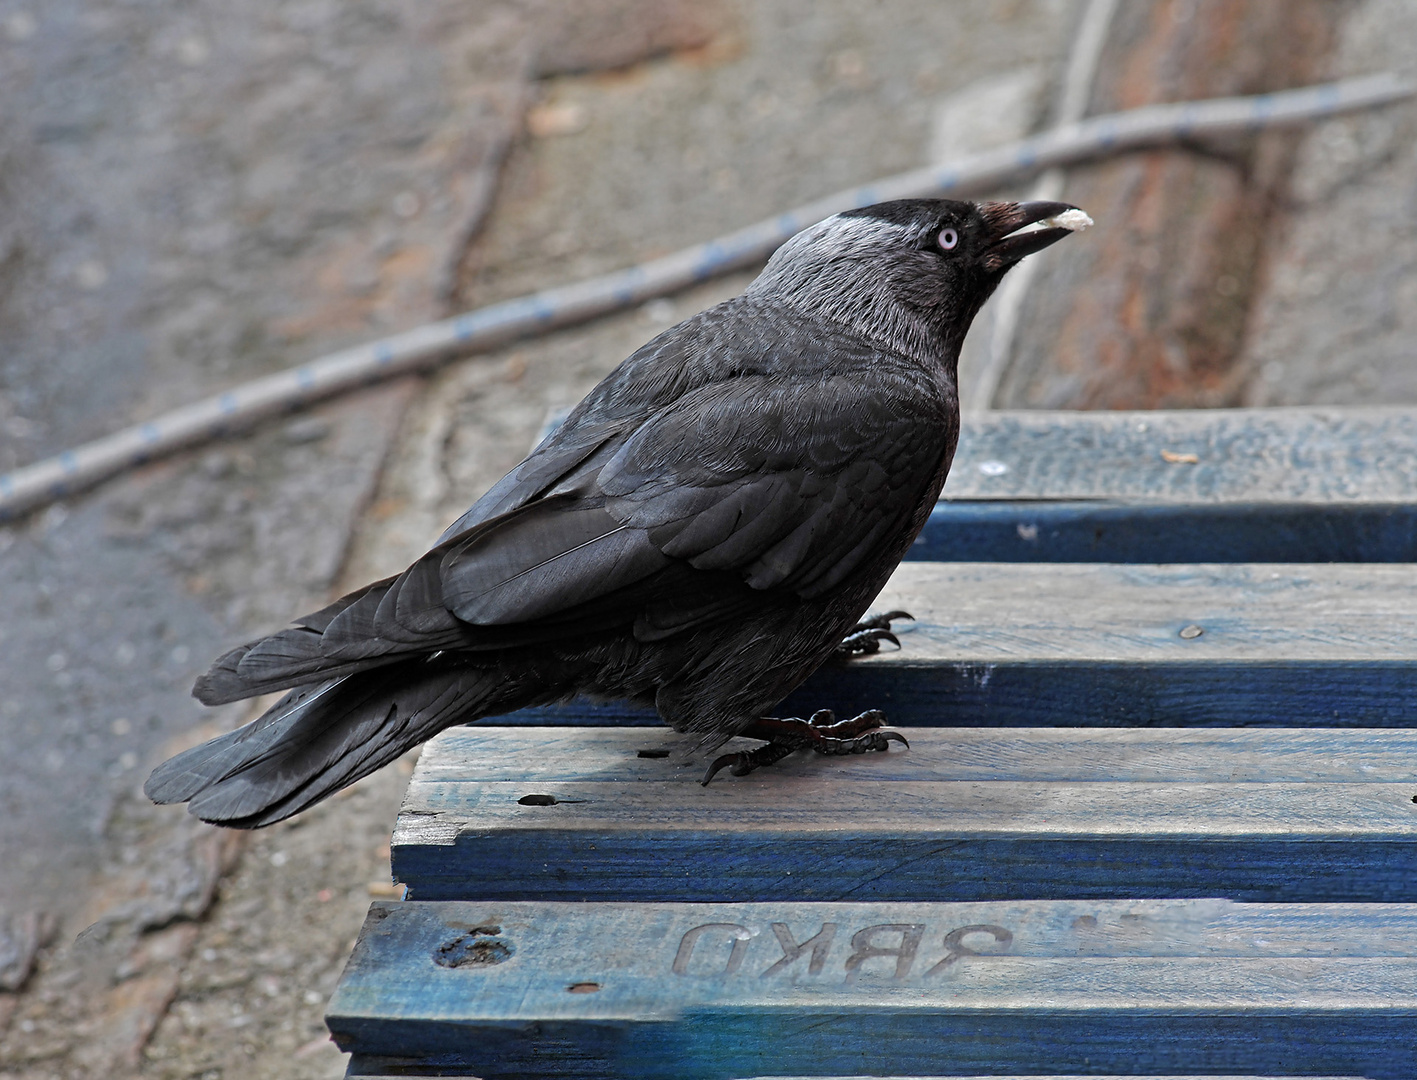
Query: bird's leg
{"points": [[866, 636], [822, 733]]}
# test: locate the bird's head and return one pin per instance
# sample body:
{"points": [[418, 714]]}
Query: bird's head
{"points": [[913, 273]]}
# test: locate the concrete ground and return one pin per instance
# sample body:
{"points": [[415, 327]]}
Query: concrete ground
{"points": [[197, 194]]}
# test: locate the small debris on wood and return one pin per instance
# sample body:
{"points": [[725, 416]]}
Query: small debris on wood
{"points": [[1175, 458], [1192, 631]]}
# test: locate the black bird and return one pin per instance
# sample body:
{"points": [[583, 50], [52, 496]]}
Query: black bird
{"points": [[701, 532]]}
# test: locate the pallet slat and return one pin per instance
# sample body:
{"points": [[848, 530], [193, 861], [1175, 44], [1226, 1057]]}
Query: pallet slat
{"points": [[962, 815], [684, 990], [1318, 455], [1270, 485], [1018, 644], [1089, 531]]}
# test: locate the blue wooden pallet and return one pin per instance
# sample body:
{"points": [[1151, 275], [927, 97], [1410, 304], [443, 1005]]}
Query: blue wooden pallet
{"points": [[707, 991], [1155, 655]]}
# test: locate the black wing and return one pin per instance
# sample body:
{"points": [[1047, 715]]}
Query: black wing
{"points": [[786, 482], [786, 475]]}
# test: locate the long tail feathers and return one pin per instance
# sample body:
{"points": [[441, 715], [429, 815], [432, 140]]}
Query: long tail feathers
{"points": [[290, 658], [320, 738]]}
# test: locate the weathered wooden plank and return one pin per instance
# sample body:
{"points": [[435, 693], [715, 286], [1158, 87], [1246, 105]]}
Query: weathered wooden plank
{"points": [[1315, 455], [483, 753], [682, 990], [988, 530], [1327, 644], [1288, 815], [987, 611]]}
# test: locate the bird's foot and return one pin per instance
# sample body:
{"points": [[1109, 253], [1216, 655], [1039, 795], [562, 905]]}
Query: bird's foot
{"points": [[866, 636], [822, 733]]}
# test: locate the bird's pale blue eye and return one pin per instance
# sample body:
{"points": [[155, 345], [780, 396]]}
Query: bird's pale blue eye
{"points": [[948, 239]]}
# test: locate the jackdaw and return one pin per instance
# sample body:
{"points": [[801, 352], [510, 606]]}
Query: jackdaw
{"points": [[702, 532]]}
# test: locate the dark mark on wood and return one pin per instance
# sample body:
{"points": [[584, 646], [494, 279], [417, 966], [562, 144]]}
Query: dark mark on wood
{"points": [[652, 753], [476, 947]]}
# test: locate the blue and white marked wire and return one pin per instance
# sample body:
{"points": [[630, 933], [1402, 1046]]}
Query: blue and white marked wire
{"points": [[485, 328]]}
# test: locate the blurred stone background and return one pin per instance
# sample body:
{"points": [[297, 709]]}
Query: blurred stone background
{"points": [[194, 193]]}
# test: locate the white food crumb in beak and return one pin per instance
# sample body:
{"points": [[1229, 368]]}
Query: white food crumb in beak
{"points": [[1072, 220]]}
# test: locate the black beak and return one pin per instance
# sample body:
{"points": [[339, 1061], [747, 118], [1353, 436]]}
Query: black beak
{"points": [[1006, 245]]}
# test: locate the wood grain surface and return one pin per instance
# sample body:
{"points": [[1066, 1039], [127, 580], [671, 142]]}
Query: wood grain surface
{"points": [[1103, 644], [1090, 530], [1225, 598], [687, 990], [1301, 815], [1223, 485], [1323, 454]]}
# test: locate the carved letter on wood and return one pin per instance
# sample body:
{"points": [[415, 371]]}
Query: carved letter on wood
{"points": [[954, 943], [691, 938], [820, 942], [863, 948]]}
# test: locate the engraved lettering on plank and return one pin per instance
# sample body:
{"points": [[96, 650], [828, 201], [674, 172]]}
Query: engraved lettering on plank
{"points": [[863, 947], [741, 936], [954, 943], [819, 942]]}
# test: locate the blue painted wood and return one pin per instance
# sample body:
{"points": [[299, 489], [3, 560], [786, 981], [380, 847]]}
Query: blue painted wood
{"points": [[1269, 485], [1308, 455], [1017, 644], [1100, 693], [1060, 814], [1094, 531], [996, 813], [1077, 693], [691, 991]]}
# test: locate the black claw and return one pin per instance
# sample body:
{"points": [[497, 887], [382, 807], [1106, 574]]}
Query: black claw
{"points": [[822, 733], [865, 637], [718, 763], [883, 622]]}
